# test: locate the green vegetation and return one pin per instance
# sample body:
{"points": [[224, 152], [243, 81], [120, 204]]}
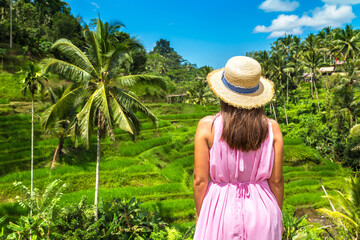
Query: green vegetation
{"points": [[103, 81]]}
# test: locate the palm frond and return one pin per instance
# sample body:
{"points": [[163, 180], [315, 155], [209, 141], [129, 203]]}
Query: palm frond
{"points": [[131, 80], [336, 216], [119, 115], [114, 60], [62, 106], [74, 55], [86, 118], [68, 70], [129, 101], [94, 50], [102, 104]]}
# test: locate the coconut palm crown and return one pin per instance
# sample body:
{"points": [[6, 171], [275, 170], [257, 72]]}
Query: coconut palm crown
{"points": [[97, 77]]}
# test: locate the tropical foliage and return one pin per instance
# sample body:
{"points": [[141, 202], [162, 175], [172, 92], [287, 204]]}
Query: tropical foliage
{"points": [[102, 84]]}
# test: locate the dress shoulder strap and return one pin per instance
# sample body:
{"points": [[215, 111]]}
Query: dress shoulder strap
{"points": [[218, 126]]}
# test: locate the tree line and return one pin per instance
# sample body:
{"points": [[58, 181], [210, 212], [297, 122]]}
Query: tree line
{"points": [[328, 60]]}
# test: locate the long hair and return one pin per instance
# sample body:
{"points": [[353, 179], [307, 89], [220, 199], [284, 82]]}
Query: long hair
{"points": [[244, 129]]}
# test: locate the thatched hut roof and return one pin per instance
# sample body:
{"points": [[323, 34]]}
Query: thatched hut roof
{"points": [[326, 69]]}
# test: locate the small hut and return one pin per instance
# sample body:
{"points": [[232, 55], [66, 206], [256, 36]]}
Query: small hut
{"points": [[327, 70], [307, 77], [176, 98]]}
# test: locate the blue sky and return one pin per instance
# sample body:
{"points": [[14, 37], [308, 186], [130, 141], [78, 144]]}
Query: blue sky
{"points": [[210, 32]]}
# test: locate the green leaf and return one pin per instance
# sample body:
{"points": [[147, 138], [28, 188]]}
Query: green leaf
{"points": [[62, 106], [86, 118], [66, 69], [74, 54]]}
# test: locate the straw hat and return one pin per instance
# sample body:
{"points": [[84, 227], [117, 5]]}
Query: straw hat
{"points": [[240, 83]]}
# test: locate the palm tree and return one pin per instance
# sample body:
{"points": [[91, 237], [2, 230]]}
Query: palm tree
{"points": [[32, 80], [344, 93], [313, 60], [347, 42], [156, 63], [201, 92], [263, 57], [60, 129], [280, 71], [325, 38], [311, 43], [97, 77]]}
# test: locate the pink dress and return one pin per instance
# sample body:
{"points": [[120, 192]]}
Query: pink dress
{"points": [[238, 203]]}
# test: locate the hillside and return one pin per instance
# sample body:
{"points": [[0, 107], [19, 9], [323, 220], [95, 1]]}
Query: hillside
{"points": [[156, 168]]}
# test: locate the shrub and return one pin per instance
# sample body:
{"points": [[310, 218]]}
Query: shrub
{"points": [[126, 220], [300, 154], [292, 225], [118, 219], [43, 207]]}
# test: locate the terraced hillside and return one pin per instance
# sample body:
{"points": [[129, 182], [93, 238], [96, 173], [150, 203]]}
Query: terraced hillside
{"points": [[156, 168]]}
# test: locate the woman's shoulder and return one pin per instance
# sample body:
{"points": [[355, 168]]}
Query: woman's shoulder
{"points": [[275, 127], [207, 121]]}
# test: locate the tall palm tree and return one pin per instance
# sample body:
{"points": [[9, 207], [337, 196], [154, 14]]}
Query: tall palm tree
{"points": [[32, 78], [97, 79], [344, 93], [263, 57], [201, 93], [311, 43], [325, 38], [280, 72], [313, 60], [347, 42]]}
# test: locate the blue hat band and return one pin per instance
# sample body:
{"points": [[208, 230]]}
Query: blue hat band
{"points": [[239, 89]]}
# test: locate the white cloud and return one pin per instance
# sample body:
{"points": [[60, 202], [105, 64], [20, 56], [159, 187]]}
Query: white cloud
{"points": [[328, 15], [95, 4], [279, 6], [342, 2]]}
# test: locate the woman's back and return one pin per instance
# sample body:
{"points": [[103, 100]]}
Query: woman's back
{"points": [[238, 203], [234, 166]]}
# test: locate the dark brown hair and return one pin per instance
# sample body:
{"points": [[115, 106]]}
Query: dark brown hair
{"points": [[244, 129]]}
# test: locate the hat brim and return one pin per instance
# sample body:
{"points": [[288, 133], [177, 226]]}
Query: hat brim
{"points": [[252, 100]]}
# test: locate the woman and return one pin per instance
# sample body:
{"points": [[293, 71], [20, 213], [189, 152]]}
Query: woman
{"points": [[238, 179]]}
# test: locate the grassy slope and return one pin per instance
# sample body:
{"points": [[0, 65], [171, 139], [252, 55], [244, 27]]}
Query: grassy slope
{"points": [[156, 168]]}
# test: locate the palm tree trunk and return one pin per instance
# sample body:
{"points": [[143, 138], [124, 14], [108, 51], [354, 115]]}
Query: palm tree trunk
{"points": [[2, 14], [57, 152], [287, 90], [32, 156], [11, 24], [311, 86], [97, 170], [272, 104], [287, 123], [317, 97]]}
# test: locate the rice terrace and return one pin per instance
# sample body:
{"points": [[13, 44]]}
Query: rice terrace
{"points": [[98, 121]]}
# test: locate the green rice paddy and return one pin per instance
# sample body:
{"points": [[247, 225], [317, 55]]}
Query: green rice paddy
{"points": [[156, 168]]}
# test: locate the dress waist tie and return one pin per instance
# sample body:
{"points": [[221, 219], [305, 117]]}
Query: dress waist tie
{"points": [[242, 192]]}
